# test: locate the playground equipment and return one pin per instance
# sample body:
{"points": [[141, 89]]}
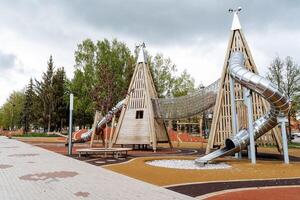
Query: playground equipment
{"points": [[239, 79], [137, 123], [230, 111], [142, 119], [186, 106], [101, 123], [262, 86]]}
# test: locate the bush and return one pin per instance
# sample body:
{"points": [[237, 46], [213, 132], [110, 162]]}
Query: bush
{"points": [[36, 135]]}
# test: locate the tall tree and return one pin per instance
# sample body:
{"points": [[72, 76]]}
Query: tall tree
{"points": [[275, 73], [11, 111], [166, 82], [28, 110], [163, 71], [60, 110], [183, 85], [114, 68], [286, 75], [83, 82], [45, 91], [102, 74]]}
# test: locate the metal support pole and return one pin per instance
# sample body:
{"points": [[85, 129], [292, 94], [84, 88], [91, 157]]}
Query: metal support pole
{"points": [[233, 112], [283, 120], [70, 125], [248, 98], [249, 152]]}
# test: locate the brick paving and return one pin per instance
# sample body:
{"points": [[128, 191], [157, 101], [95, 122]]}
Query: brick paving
{"points": [[33, 173]]}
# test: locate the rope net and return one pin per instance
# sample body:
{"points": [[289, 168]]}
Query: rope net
{"points": [[186, 106]]}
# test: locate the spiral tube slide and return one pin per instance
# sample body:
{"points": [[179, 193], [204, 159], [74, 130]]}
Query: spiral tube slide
{"points": [[279, 104]]}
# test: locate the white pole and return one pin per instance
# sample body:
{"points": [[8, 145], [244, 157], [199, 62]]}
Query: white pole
{"points": [[282, 120], [70, 125], [248, 98]]}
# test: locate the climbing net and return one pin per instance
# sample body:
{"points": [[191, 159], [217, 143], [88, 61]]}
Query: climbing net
{"points": [[186, 106]]}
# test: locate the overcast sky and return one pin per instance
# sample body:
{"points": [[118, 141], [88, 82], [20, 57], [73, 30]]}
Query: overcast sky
{"points": [[193, 33]]}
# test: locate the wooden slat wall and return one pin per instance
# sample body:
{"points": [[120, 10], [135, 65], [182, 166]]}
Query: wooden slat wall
{"points": [[147, 130]]}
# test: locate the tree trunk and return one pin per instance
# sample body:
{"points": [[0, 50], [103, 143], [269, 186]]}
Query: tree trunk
{"points": [[289, 128], [49, 122], [61, 125]]}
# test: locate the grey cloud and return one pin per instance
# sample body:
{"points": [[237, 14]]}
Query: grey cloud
{"points": [[56, 26], [10, 64], [7, 61], [156, 21], [179, 21]]}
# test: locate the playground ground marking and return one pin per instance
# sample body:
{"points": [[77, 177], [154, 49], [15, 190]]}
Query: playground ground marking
{"points": [[235, 180], [205, 196]]}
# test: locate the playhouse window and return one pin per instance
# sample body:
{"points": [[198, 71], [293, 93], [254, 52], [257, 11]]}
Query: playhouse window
{"points": [[139, 114]]}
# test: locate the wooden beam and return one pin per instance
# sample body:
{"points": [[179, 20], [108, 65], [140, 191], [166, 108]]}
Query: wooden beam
{"points": [[96, 119]]}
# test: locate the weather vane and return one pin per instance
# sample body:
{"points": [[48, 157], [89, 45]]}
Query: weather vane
{"points": [[140, 45], [235, 22], [237, 10]]}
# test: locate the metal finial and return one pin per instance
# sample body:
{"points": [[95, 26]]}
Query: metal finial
{"points": [[139, 45], [141, 55], [237, 10], [235, 22]]}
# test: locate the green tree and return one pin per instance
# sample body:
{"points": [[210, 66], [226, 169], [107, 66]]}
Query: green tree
{"points": [[114, 69], [286, 75], [166, 82], [183, 85], [60, 111], [11, 111], [163, 71], [102, 75], [295, 110], [45, 94], [28, 109], [275, 73], [83, 82]]}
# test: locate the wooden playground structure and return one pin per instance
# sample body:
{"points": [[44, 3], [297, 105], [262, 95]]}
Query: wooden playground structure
{"points": [[143, 115]]}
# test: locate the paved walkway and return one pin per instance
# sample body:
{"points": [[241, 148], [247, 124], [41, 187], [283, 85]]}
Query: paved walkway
{"points": [[33, 173]]}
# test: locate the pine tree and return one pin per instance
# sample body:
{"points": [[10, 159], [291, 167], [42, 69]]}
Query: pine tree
{"points": [[28, 112], [60, 110], [44, 90]]}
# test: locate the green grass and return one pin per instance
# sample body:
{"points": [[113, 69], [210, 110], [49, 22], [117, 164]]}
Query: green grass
{"points": [[290, 145], [36, 135], [294, 145]]}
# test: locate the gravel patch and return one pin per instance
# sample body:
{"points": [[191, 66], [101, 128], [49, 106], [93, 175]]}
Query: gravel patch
{"points": [[186, 164]]}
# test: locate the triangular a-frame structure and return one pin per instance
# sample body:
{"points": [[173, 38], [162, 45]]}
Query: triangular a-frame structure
{"points": [[222, 125], [137, 123]]}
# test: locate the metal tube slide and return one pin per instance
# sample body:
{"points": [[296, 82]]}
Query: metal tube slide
{"points": [[279, 104], [101, 123]]}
